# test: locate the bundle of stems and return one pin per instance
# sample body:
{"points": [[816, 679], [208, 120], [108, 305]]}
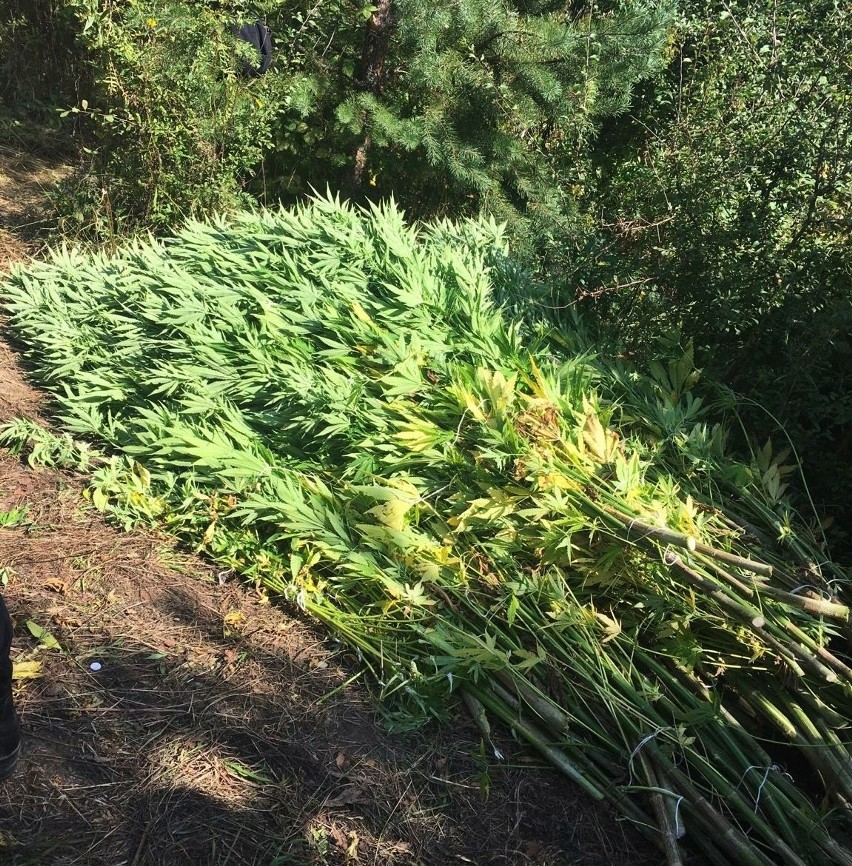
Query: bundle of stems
{"points": [[337, 405]]}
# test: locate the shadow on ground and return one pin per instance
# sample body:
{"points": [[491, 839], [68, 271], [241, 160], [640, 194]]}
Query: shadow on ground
{"points": [[25, 182]]}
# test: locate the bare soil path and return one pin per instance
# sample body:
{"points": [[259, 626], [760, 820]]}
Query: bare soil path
{"points": [[182, 718]]}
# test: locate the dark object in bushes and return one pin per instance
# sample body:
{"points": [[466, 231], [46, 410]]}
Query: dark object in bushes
{"points": [[257, 35]]}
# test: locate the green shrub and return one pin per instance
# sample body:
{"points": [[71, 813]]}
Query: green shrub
{"points": [[723, 210], [452, 107], [174, 130], [461, 106], [37, 53]]}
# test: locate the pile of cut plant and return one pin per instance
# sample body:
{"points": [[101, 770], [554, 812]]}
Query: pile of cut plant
{"points": [[370, 419]]}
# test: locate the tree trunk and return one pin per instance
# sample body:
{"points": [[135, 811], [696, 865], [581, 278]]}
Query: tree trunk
{"points": [[371, 79]]}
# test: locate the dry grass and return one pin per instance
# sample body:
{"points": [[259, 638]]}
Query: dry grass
{"points": [[25, 180]]}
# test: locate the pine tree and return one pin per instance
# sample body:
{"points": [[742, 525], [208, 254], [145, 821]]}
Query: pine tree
{"points": [[460, 105]]}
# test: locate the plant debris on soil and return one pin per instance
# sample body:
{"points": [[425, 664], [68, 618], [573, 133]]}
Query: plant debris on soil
{"points": [[24, 180], [172, 715]]}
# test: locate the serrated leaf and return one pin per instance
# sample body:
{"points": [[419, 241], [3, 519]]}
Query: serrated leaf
{"points": [[512, 609]]}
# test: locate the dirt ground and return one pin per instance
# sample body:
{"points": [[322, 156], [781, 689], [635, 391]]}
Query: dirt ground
{"points": [[173, 715]]}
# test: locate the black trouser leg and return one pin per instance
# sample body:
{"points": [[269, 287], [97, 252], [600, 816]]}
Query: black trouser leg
{"points": [[10, 735]]}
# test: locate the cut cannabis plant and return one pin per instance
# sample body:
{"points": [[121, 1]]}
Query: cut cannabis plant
{"points": [[339, 406]]}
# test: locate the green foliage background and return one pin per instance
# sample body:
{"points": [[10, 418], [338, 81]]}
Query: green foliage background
{"points": [[724, 213], [176, 129], [481, 105], [37, 53], [471, 105]]}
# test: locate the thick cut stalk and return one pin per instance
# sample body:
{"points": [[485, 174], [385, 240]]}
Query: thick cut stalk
{"points": [[817, 606], [729, 836], [548, 712], [539, 740], [669, 832], [795, 655], [637, 530], [828, 657]]}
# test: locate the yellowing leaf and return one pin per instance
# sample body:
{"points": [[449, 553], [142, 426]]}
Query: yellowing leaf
{"points": [[352, 848], [418, 436], [406, 489], [429, 571], [208, 533], [395, 501], [391, 513], [485, 509], [361, 314], [499, 390], [470, 402], [29, 670], [611, 627], [601, 443], [538, 385], [401, 538]]}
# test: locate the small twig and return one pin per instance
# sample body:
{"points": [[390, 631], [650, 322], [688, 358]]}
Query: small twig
{"points": [[138, 854], [70, 802]]}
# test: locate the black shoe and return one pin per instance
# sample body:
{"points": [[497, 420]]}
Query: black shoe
{"points": [[8, 763], [10, 737]]}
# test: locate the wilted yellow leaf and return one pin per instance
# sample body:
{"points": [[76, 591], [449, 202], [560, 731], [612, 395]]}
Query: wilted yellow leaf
{"points": [[29, 670], [601, 443], [208, 533], [611, 626], [361, 313], [391, 513], [352, 849]]}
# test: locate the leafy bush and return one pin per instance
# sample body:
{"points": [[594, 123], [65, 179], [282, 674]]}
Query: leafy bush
{"points": [[175, 128], [725, 214], [37, 57], [452, 107], [333, 403]]}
